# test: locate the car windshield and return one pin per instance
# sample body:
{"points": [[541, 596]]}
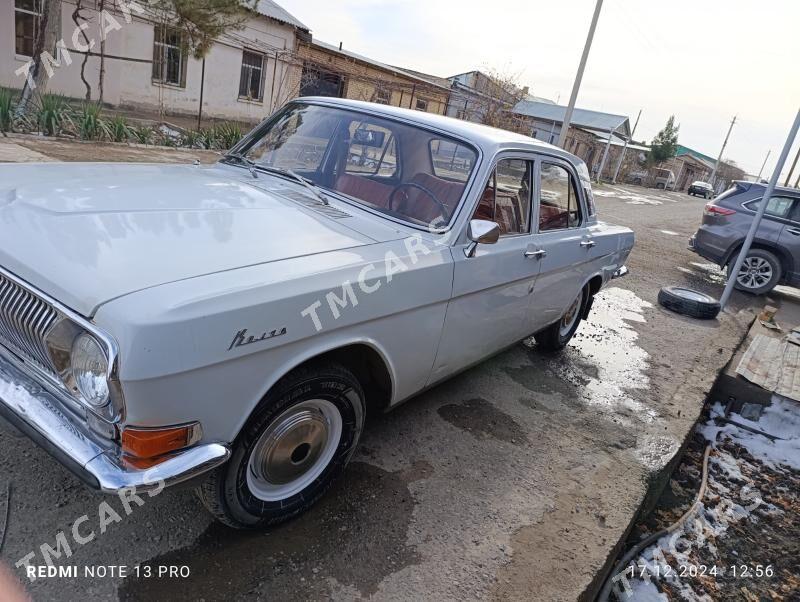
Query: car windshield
{"points": [[395, 168]]}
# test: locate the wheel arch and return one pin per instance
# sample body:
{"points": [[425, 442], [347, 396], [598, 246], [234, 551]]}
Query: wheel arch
{"points": [[785, 257], [368, 361]]}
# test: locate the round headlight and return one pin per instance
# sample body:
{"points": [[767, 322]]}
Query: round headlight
{"points": [[90, 369]]}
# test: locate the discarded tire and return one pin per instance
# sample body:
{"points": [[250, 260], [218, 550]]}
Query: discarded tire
{"points": [[688, 302]]}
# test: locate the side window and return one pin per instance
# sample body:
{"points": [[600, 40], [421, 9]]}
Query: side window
{"points": [[559, 205], [507, 197], [779, 206], [373, 151]]}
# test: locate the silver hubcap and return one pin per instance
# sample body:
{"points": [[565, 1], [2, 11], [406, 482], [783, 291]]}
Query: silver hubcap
{"points": [[755, 272], [294, 450], [569, 319]]}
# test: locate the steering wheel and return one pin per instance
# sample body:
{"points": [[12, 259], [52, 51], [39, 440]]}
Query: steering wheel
{"points": [[439, 204]]}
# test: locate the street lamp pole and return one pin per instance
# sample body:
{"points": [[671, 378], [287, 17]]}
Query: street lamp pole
{"points": [[763, 165], [762, 206], [722, 150], [562, 137], [625, 148]]}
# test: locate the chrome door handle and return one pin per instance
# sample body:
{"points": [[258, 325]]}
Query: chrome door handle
{"points": [[794, 231], [588, 243], [538, 254]]}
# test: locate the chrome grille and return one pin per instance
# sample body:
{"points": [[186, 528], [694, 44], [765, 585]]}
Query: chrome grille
{"points": [[24, 321]]}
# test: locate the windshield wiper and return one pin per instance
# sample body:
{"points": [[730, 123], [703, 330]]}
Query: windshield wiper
{"points": [[309, 185], [251, 165]]}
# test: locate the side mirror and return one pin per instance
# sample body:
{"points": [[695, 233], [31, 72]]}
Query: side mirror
{"points": [[481, 231]]}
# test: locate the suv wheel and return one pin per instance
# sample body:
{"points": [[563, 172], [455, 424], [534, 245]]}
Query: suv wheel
{"points": [[760, 273], [296, 443]]}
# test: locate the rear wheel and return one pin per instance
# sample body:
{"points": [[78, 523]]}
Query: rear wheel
{"points": [[297, 442], [556, 336], [760, 272]]}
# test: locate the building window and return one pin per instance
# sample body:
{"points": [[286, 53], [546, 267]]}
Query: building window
{"points": [[169, 56], [422, 104], [383, 96], [27, 16], [251, 81], [320, 82]]}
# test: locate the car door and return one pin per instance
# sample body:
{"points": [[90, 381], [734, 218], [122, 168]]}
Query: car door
{"points": [[488, 309], [563, 232], [789, 240]]}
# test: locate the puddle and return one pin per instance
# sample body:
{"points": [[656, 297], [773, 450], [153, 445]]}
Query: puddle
{"points": [[711, 271], [354, 537], [601, 364], [670, 232], [483, 420]]}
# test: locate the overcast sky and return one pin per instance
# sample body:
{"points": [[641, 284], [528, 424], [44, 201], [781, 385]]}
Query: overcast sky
{"points": [[702, 60]]}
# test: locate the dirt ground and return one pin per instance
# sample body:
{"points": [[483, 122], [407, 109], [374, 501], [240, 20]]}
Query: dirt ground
{"points": [[517, 480]]}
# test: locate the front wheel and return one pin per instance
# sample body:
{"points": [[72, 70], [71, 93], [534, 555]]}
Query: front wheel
{"points": [[556, 336], [296, 443], [760, 272]]}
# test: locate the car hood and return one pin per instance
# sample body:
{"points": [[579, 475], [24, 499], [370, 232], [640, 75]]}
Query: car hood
{"points": [[88, 233]]}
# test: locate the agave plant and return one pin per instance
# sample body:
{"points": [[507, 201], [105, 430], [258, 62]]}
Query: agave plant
{"points": [[192, 139], [143, 134], [208, 138], [6, 109], [90, 126], [228, 134], [118, 129], [52, 113]]}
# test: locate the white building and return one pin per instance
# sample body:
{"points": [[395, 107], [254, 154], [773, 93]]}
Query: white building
{"points": [[245, 75]]}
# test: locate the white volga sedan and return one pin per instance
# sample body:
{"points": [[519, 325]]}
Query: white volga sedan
{"points": [[229, 326]]}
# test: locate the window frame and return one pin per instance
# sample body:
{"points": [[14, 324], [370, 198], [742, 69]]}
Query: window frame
{"points": [[417, 102], [159, 42], [786, 220], [382, 90], [37, 20], [581, 205], [250, 69], [533, 170]]}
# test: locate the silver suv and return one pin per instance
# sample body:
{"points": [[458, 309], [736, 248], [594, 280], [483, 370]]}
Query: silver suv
{"points": [[775, 255]]}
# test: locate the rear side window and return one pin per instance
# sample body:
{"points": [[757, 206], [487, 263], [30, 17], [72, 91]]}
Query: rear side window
{"points": [[778, 206], [559, 207]]}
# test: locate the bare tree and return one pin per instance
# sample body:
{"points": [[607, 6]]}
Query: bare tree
{"points": [[79, 20], [495, 95]]}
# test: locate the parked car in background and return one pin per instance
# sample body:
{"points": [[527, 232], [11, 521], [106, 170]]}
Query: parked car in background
{"points": [[775, 254], [702, 189], [664, 179], [230, 325]]}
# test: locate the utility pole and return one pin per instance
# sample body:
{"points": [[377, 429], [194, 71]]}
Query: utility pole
{"points": [[763, 165], [625, 148], [791, 171], [722, 150], [562, 138], [733, 273]]}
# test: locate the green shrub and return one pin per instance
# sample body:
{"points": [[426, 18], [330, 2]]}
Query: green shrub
{"points": [[228, 134], [6, 109], [143, 134], [192, 139], [208, 138], [90, 126], [118, 129], [52, 113]]}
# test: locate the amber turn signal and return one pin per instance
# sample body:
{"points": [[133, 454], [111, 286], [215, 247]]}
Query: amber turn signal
{"points": [[149, 443]]}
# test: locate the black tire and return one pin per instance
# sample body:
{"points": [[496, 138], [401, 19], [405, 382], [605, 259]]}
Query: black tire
{"points": [[689, 302], [227, 494], [551, 339], [761, 255]]}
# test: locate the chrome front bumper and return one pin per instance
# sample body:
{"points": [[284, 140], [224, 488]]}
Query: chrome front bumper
{"points": [[39, 414]]}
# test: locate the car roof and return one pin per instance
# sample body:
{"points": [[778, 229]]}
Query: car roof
{"points": [[780, 189], [701, 183], [489, 139]]}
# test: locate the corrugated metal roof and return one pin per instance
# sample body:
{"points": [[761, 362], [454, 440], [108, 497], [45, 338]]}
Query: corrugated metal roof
{"points": [[580, 117], [374, 63], [271, 9]]}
